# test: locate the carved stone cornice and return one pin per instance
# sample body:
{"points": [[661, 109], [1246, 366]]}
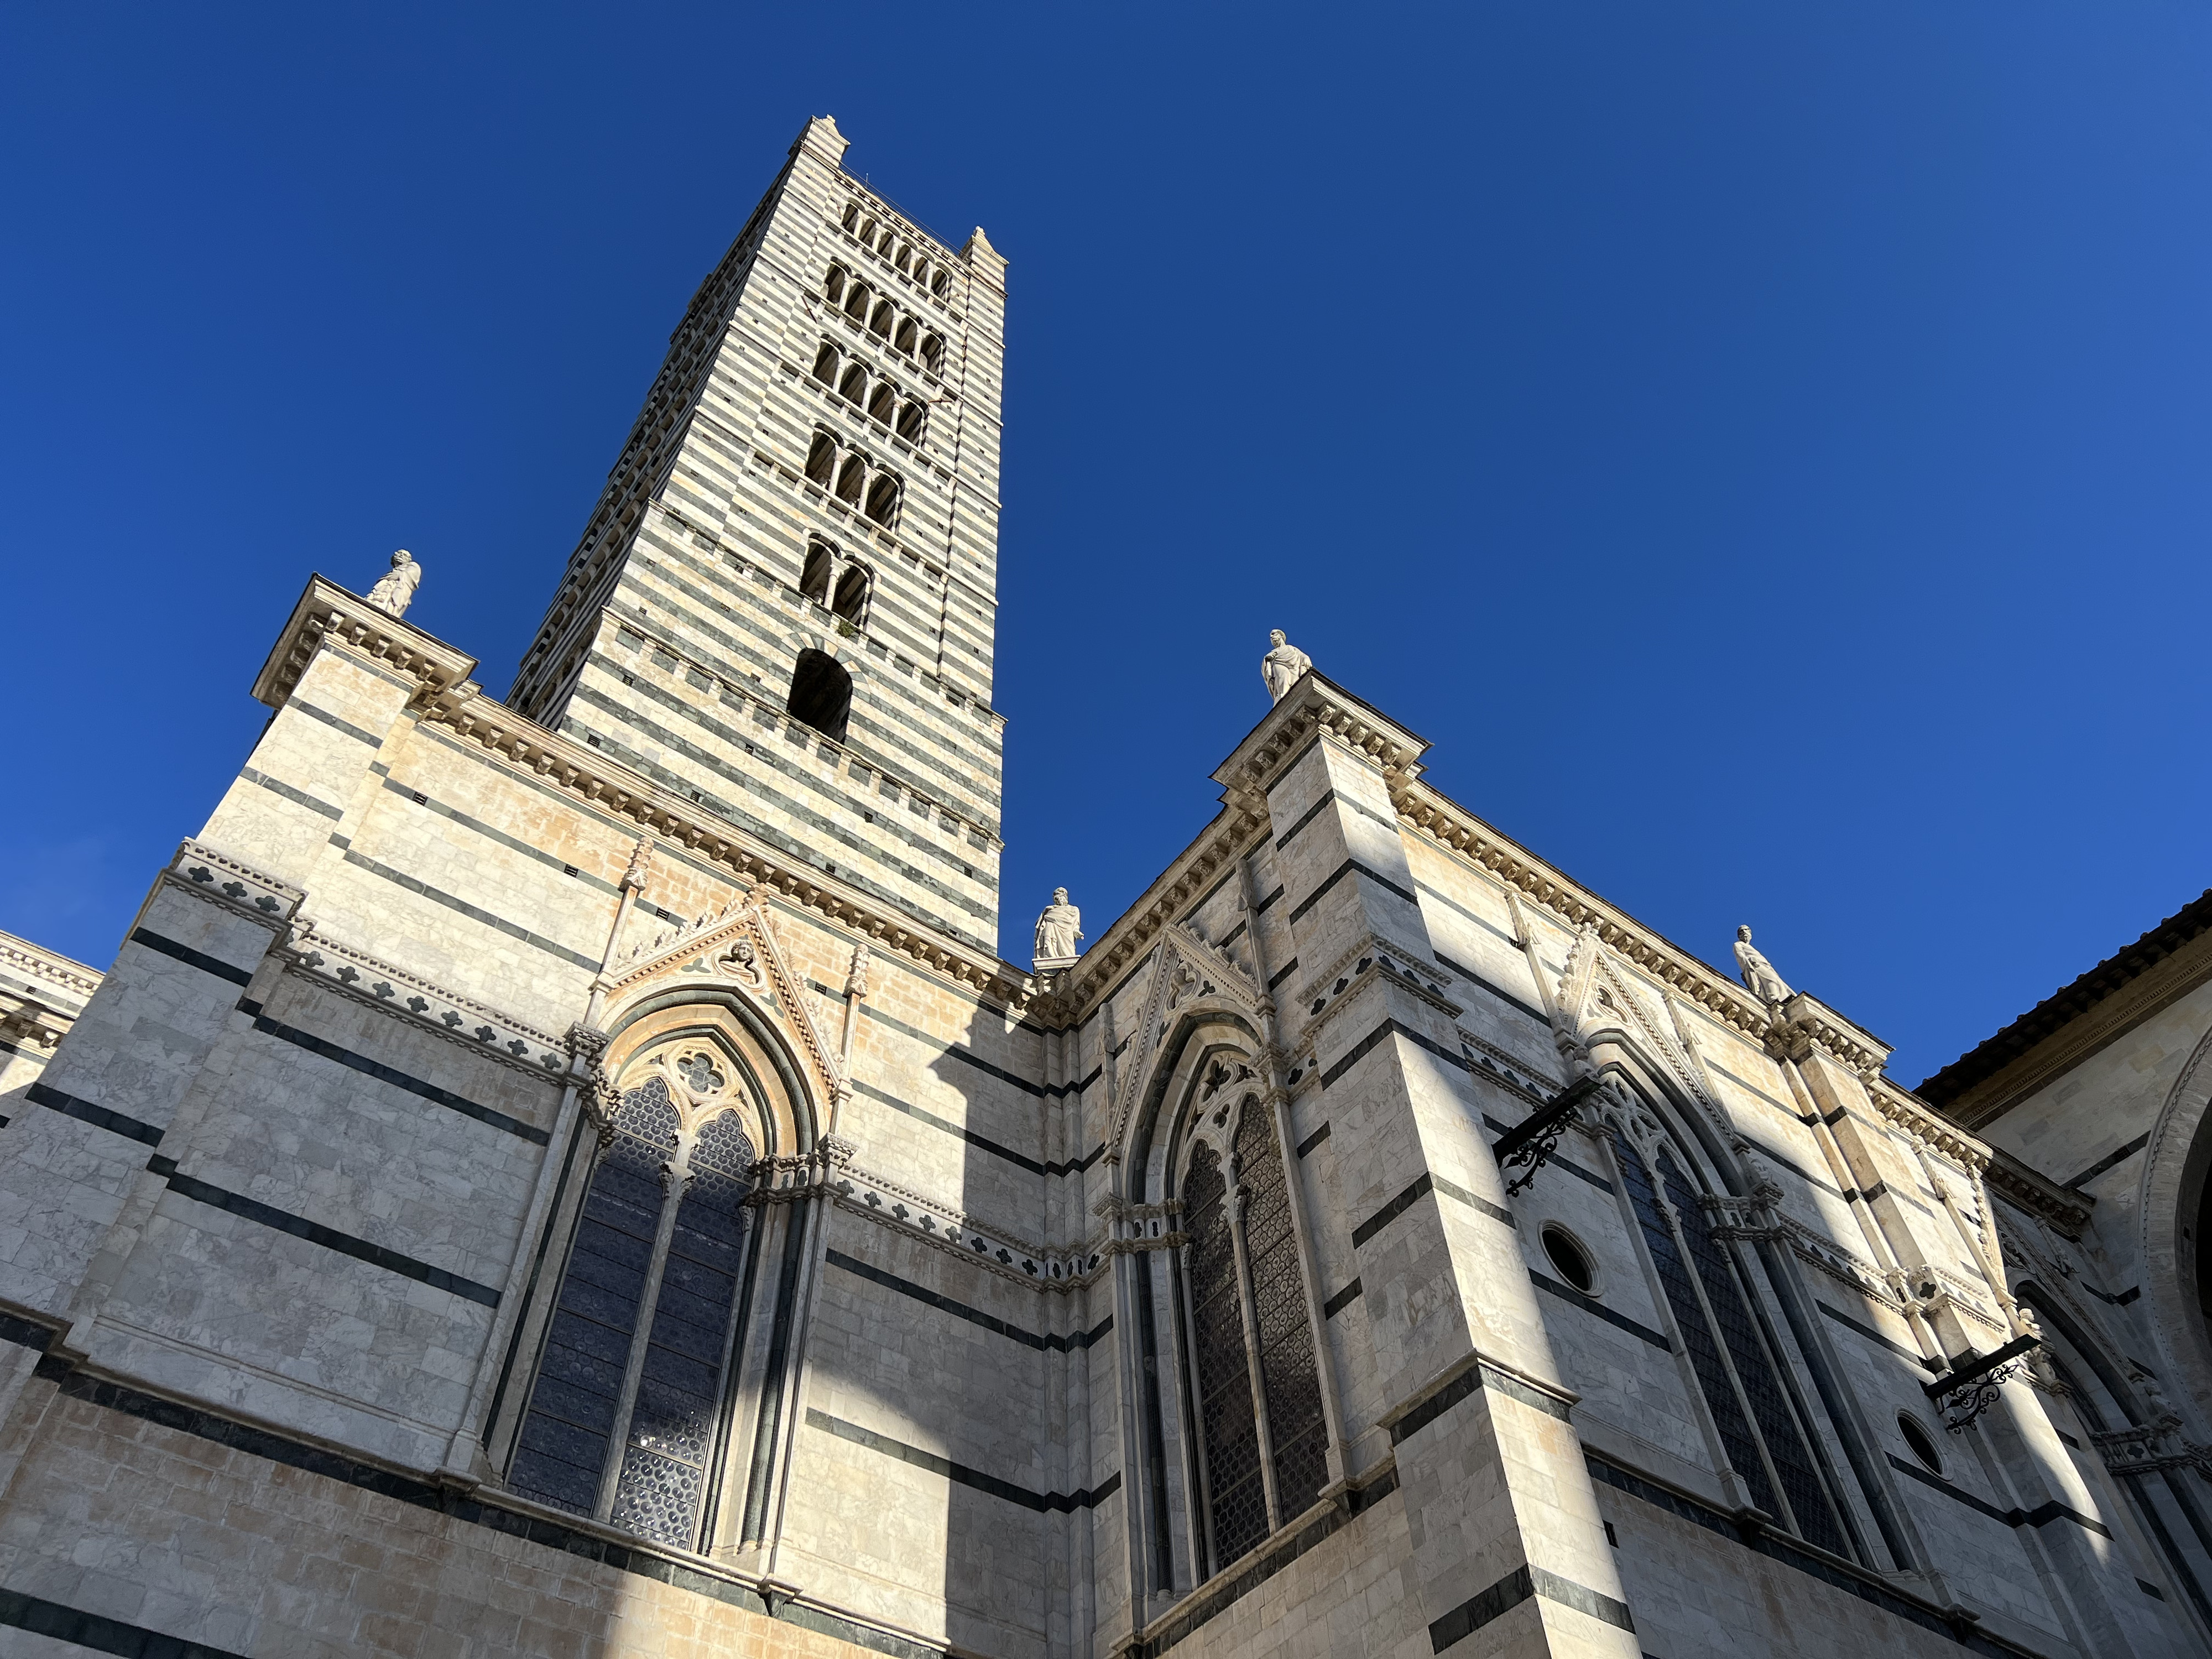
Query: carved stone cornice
{"points": [[1137, 930], [33, 963], [1315, 704], [2064, 1209], [446, 696], [1428, 810], [1923, 1123], [325, 609]]}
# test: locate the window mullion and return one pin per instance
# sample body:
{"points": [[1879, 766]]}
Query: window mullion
{"points": [[1674, 1220], [677, 1169], [1247, 1315]]}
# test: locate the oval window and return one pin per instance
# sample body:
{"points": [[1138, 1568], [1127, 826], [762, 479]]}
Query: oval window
{"points": [[1921, 1441], [1569, 1258]]}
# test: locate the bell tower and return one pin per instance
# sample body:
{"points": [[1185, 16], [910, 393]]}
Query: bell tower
{"points": [[783, 604]]}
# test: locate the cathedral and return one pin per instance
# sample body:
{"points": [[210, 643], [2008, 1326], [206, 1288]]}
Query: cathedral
{"points": [[570, 1175]]}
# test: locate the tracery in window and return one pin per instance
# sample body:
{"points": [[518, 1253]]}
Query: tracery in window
{"points": [[1263, 1449], [1756, 1419], [621, 1418], [1236, 1497]]}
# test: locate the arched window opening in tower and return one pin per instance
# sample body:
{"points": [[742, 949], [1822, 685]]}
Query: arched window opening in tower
{"points": [[854, 388], [850, 478], [883, 500], [905, 255], [852, 603], [852, 215], [940, 283], [909, 422], [921, 268], [833, 285], [880, 324], [825, 365], [814, 581], [908, 334], [933, 353], [868, 232], [884, 403], [822, 458], [821, 694], [856, 302]]}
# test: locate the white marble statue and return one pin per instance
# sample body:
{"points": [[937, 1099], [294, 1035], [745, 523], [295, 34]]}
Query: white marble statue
{"points": [[1058, 929], [1282, 665], [395, 588], [1758, 974]]}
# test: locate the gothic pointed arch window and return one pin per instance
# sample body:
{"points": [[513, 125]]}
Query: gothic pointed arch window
{"points": [[1253, 1384], [622, 1419], [1765, 1432]]}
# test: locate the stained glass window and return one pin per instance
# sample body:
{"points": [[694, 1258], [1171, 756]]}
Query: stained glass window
{"points": [[1237, 1498], [1755, 1367], [1288, 1395], [622, 1282], [1296, 1426], [1694, 1260]]}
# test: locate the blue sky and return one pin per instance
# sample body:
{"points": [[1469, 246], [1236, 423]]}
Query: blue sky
{"points": [[1764, 448]]}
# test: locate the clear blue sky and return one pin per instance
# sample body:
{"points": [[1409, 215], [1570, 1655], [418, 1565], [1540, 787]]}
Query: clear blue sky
{"points": [[1762, 447]]}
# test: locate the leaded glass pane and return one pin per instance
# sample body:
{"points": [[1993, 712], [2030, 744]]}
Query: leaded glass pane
{"points": [[562, 1453], [1697, 1335], [562, 1449], [1295, 1422], [1754, 1368], [1238, 1496], [672, 1426]]}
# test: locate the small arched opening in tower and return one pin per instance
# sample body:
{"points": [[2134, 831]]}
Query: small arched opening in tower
{"points": [[821, 694], [814, 582], [852, 602]]}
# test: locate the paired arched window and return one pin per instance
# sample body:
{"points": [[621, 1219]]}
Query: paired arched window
{"points": [[853, 479], [622, 1419], [1262, 1437], [821, 694], [883, 317], [1763, 1429], [881, 399], [894, 243], [839, 584]]}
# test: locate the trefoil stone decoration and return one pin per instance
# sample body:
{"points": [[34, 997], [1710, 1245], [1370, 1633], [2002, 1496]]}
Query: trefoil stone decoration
{"points": [[395, 589], [1964, 1394], [1057, 931], [1532, 1141], [1759, 975], [1282, 666]]}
